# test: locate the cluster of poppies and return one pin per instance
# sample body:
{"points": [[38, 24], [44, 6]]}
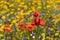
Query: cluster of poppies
{"points": [[37, 21], [29, 20]]}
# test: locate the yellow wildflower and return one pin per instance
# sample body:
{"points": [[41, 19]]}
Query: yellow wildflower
{"points": [[25, 7], [17, 16], [0, 24], [1, 35], [48, 6], [39, 7], [13, 21], [56, 34], [51, 38], [2, 2], [22, 3], [31, 17], [47, 37], [30, 11], [51, 28], [43, 35], [57, 31], [22, 13], [8, 14], [11, 24], [13, 38], [5, 7], [18, 1], [58, 1], [3, 17], [21, 34], [33, 8], [3, 12], [1, 29], [9, 20], [18, 8], [54, 17], [56, 20], [11, 5], [55, 6]]}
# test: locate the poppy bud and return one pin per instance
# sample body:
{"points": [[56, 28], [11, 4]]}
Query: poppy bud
{"points": [[36, 14]]}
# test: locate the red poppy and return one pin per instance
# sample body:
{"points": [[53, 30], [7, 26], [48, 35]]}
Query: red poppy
{"points": [[21, 26], [36, 14], [38, 21], [7, 28], [6, 25], [41, 22], [30, 27]]}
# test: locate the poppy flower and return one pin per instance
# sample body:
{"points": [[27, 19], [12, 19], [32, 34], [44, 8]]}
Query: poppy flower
{"points": [[38, 21], [6, 25], [30, 27], [36, 14], [21, 26], [41, 22], [7, 28]]}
